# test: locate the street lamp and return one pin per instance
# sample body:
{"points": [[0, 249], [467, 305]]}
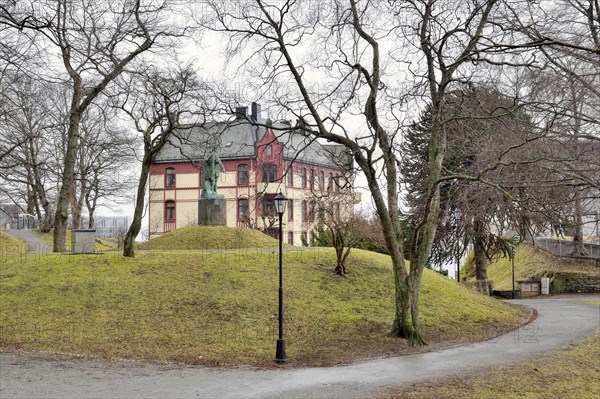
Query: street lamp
{"points": [[457, 219], [280, 203], [515, 239]]}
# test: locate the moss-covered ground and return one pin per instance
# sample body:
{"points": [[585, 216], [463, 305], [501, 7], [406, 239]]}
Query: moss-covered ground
{"points": [[220, 306]]}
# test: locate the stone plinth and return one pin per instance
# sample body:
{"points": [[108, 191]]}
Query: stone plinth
{"points": [[83, 241], [212, 212]]}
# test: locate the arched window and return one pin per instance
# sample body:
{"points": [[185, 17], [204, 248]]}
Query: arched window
{"points": [[170, 211], [170, 177], [243, 175]]}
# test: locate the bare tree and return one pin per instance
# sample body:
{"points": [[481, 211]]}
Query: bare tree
{"points": [[158, 103], [104, 163], [96, 41], [336, 223], [350, 34], [567, 34], [27, 167]]}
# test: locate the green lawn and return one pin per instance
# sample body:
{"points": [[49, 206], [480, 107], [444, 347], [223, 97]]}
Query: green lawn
{"points": [[570, 373], [220, 307]]}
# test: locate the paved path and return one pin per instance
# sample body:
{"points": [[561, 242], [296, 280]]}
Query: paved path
{"points": [[35, 244], [562, 320]]}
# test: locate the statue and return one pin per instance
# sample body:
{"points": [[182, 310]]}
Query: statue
{"points": [[211, 170]]}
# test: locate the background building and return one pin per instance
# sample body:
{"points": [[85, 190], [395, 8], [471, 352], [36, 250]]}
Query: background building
{"points": [[258, 163], [108, 226]]}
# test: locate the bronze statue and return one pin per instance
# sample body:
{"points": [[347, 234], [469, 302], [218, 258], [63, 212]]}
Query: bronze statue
{"points": [[211, 170]]}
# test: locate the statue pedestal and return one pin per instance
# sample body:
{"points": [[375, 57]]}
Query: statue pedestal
{"points": [[212, 212]]}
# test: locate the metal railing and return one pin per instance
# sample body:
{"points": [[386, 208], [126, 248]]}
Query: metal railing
{"points": [[566, 248]]}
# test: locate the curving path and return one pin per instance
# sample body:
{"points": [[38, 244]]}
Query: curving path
{"points": [[561, 321], [35, 244]]}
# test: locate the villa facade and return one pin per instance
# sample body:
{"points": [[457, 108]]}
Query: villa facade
{"points": [[259, 163]]}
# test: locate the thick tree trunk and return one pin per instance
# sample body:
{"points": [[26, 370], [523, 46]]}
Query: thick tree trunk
{"points": [[68, 178], [136, 223]]}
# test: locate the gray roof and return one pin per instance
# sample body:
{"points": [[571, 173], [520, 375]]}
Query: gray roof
{"points": [[234, 139], [237, 140]]}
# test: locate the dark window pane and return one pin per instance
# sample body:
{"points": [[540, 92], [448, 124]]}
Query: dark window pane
{"points": [[243, 210], [170, 177], [268, 207], [170, 210], [269, 172], [243, 175]]}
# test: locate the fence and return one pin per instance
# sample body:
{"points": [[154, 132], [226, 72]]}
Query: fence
{"points": [[566, 248]]}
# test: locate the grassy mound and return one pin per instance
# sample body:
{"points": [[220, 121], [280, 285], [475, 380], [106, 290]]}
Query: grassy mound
{"points": [[10, 245], [532, 262], [210, 237], [220, 307]]}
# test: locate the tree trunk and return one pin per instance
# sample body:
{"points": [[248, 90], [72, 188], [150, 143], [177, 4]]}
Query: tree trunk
{"points": [[68, 177], [338, 244], [480, 259], [136, 223], [75, 211], [578, 248]]}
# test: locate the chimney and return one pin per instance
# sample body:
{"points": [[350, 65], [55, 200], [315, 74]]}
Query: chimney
{"points": [[255, 111], [241, 113]]}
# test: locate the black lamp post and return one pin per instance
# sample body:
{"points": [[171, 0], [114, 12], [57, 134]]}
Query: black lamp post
{"points": [[457, 219], [280, 203], [515, 239]]}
